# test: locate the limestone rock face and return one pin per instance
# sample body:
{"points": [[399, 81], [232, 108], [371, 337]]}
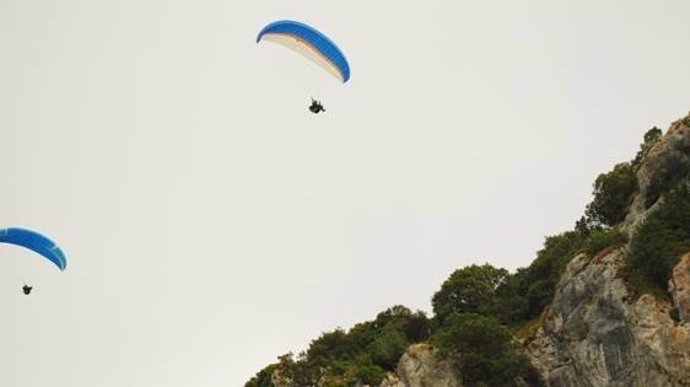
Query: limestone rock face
{"points": [[594, 335], [673, 147], [391, 381], [679, 287], [418, 367]]}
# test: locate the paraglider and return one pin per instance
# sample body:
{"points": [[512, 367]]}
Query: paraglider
{"points": [[37, 243], [311, 44]]}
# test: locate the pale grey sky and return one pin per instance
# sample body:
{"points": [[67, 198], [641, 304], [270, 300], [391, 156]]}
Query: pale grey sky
{"points": [[212, 223]]}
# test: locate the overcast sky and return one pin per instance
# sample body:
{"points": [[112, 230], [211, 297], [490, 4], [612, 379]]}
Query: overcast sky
{"points": [[211, 223]]}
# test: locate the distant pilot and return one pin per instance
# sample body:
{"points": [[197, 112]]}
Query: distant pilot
{"points": [[316, 107], [27, 289]]}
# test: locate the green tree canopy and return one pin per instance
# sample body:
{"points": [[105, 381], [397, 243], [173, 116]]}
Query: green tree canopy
{"points": [[650, 139], [482, 349], [659, 242], [468, 290], [612, 194]]}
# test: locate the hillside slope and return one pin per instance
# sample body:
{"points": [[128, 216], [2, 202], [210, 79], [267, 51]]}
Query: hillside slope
{"points": [[604, 304]]}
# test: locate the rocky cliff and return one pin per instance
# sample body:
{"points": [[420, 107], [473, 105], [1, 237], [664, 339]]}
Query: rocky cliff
{"points": [[658, 165], [596, 332]]}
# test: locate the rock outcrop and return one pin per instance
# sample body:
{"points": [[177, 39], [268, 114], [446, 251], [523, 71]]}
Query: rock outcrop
{"points": [[596, 333], [658, 163], [679, 287], [420, 368]]}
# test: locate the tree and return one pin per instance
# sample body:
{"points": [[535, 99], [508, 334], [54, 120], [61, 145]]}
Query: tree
{"points": [[331, 345], [396, 314], [586, 225], [388, 347], [482, 349], [468, 290], [417, 327], [537, 282], [650, 139], [612, 193], [511, 305], [263, 378]]}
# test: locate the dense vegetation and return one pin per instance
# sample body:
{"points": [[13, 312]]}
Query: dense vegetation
{"points": [[471, 317], [479, 308], [483, 349], [364, 353], [659, 242], [612, 194]]}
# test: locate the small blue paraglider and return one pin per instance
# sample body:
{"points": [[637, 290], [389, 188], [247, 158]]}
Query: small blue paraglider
{"points": [[35, 242]]}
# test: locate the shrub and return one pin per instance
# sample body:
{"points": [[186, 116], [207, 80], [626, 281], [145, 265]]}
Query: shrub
{"points": [[612, 193], [361, 355], [537, 283], [659, 242], [510, 306], [482, 349], [650, 138], [367, 372], [388, 347], [598, 240], [263, 377], [330, 346]]}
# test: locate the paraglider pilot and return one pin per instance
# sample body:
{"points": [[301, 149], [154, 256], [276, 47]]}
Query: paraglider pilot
{"points": [[27, 289], [316, 107]]}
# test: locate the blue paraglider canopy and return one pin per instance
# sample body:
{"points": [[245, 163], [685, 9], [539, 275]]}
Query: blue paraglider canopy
{"points": [[310, 43], [35, 242]]}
